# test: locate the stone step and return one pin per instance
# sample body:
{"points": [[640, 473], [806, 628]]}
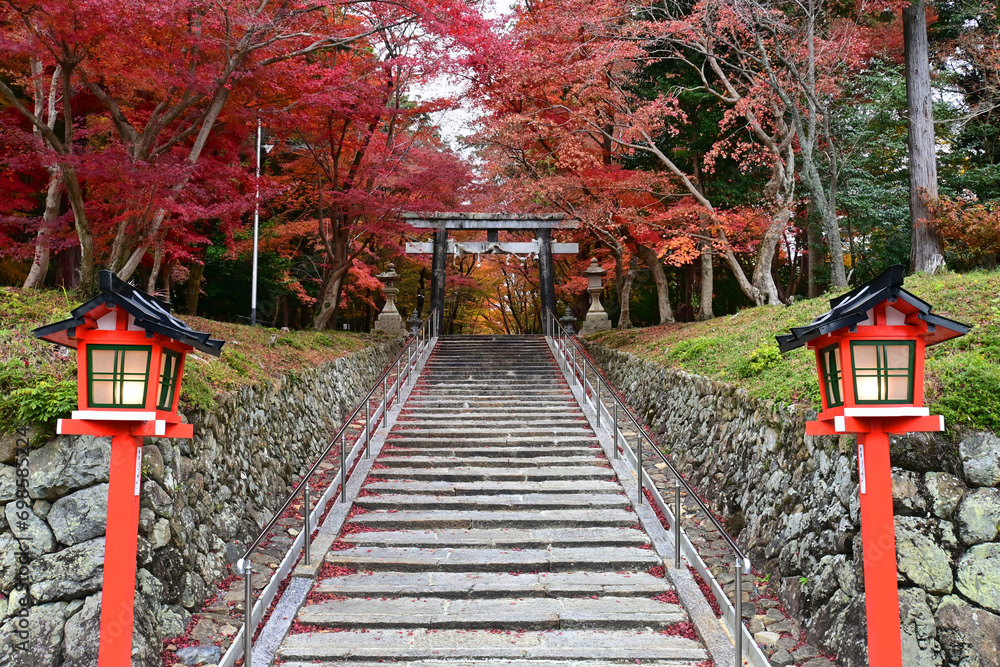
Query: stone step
{"points": [[488, 430], [475, 585], [588, 645], [548, 412], [407, 559], [488, 663], [494, 502], [446, 464], [529, 379], [561, 407], [492, 486], [489, 386], [560, 399], [503, 538], [511, 395], [410, 519], [482, 441], [471, 474], [495, 613], [516, 420], [430, 449]]}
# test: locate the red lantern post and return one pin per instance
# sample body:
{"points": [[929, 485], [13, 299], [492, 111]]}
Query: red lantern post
{"points": [[130, 359], [870, 361]]}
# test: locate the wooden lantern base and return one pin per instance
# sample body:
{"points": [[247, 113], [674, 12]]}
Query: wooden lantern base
{"points": [[121, 540], [878, 528]]}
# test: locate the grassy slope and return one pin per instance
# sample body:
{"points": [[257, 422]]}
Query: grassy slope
{"points": [[963, 375], [38, 379]]}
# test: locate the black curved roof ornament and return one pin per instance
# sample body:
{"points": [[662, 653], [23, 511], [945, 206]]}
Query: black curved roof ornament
{"points": [[151, 314], [850, 309]]}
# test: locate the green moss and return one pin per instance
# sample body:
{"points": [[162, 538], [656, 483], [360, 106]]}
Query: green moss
{"points": [[237, 361], [962, 378], [291, 342], [197, 392]]}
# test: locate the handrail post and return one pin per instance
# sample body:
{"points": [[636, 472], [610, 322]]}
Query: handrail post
{"points": [[738, 607], [614, 431], [677, 524], [385, 397], [343, 468], [399, 380], [308, 532], [368, 427], [638, 460], [576, 378], [247, 613], [597, 400]]}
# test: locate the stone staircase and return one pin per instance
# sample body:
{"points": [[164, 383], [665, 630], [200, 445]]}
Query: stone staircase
{"points": [[493, 530]]}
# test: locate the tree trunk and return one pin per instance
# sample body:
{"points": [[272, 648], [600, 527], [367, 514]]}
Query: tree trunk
{"points": [[828, 216], [814, 253], [926, 248], [154, 273], [193, 289], [40, 262], [705, 311], [74, 193], [763, 279], [165, 274], [625, 294], [329, 299], [649, 257]]}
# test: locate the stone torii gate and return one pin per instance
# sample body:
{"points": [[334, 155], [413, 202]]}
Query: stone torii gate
{"points": [[542, 225]]}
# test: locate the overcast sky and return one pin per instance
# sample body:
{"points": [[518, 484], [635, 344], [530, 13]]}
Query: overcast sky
{"points": [[457, 122]]}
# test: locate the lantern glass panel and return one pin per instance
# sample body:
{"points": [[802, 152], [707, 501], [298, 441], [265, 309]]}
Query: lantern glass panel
{"points": [[883, 371], [117, 375], [169, 367], [833, 375]]}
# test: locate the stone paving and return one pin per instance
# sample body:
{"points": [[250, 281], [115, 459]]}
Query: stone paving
{"points": [[492, 529]]}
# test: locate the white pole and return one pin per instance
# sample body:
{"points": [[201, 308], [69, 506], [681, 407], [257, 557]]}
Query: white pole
{"points": [[256, 224]]}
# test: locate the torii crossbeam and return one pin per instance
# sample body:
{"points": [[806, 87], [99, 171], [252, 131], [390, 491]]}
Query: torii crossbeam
{"points": [[541, 224]]}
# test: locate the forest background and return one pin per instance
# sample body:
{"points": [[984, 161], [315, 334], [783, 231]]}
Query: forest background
{"points": [[719, 154]]}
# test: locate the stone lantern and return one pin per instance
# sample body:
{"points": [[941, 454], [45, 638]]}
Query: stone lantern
{"points": [[597, 319], [389, 320]]}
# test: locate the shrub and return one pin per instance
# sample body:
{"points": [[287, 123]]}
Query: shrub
{"points": [[758, 361], [41, 402]]}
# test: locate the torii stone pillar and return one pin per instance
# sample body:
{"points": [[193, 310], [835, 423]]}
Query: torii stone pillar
{"points": [[542, 226], [597, 319], [546, 271], [438, 276]]}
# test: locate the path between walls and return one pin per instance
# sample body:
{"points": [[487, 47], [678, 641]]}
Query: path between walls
{"points": [[492, 528]]}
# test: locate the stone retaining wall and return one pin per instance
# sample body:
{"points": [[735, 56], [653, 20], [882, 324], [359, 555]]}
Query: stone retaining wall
{"points": [[792, 501], [201, 500]]}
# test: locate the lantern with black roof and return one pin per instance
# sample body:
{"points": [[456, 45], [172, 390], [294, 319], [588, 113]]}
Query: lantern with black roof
{"points": [[870, 352], [870, 360], [130, 356]]}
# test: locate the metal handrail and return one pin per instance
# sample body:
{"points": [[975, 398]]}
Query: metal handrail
{"points": [[558, 333], [414, 346]]}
